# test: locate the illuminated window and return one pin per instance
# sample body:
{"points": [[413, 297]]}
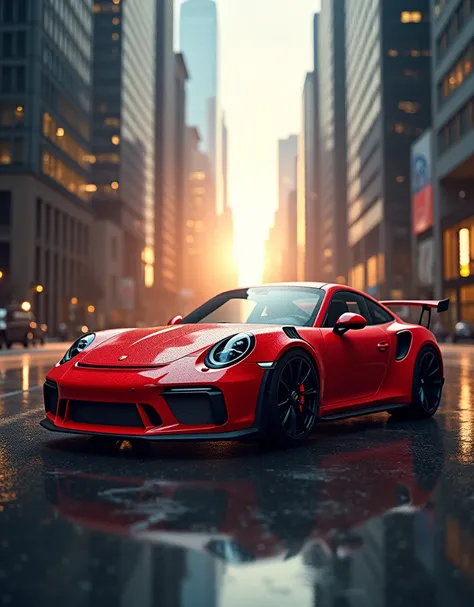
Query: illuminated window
{"points": [[372, 272], [56, 169], [190, 223], [115, 20], [112, 122], [409, 107], [197, 176], [393, 53], [5, 152], [400, 179], [115, 36], [114, 185], [410, 17], [115, 139], [96, 8], [149, 276], [64, 140], [464, 252], [399, 127], [108, 158], [90, 187], [415, 53], [19, 114]]}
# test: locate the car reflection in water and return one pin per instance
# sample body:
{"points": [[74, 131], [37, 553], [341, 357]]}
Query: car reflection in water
{"points": [[321, 511]]}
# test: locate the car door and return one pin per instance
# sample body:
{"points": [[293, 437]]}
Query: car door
{"points": [[356, 362]]}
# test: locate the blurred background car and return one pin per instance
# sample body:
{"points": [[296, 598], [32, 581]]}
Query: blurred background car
{"points": [[463, 331], [21, 327]]}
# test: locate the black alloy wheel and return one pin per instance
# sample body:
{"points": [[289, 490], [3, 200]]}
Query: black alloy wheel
{"points": [[427, 386], [293, 399], [430, 382]]}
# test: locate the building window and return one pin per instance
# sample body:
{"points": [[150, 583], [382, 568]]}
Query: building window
{"points": [[409, 107], [112, 122], [457, 75], [5, 151], [411, 17], [5, 208], [65, 141], [39, 210], [453, 28], [56, 169], [19, 114]]}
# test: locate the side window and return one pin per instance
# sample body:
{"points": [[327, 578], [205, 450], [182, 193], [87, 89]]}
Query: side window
{"points": [[379, 316], [342, 302]]}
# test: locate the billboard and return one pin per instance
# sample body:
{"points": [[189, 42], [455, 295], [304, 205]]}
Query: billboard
{"points": [[422, 184]]}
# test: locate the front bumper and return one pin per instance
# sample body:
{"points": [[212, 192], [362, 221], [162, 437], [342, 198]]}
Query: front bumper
{"points": [[152, 404], [190, 437]]}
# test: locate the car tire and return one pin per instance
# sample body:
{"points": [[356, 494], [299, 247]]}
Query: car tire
{"points": [[292, 400], [427, 386]]}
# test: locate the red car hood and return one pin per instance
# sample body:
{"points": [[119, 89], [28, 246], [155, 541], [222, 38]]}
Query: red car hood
{"points": [[159, 346]]}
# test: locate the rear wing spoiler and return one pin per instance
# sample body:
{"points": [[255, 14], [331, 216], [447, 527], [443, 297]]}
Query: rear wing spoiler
{"points": [[440, 306]]}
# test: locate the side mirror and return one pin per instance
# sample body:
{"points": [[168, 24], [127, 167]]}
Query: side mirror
{"points": [[349, 321], [175, 320]]}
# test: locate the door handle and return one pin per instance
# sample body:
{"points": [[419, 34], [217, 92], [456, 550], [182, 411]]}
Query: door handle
{"points": [[383, 346]]}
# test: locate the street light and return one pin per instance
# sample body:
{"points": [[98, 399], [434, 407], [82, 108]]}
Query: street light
{"points": [[26, 306], [91, 309], [39, 288], [1, 275], [74, 301]]}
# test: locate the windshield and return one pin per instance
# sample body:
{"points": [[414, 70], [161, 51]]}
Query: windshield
{"points": [[297, 306]]}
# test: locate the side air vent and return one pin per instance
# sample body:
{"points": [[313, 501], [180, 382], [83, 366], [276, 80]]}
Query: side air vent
{"points": [[404, 339], [291, 332]]}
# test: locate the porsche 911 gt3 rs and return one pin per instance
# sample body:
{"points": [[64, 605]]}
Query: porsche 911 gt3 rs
{"points": [[265, 363]]}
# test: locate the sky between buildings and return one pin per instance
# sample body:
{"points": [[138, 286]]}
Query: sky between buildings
{"points": [[266, 48]]}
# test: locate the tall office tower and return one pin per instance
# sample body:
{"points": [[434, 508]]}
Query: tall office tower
{"points": [[198, 43], [332, 142], [449, 215], [307, 200], [45, 155], [123, 144], [388, 89]]}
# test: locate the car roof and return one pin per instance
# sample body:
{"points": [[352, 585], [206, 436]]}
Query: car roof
{"points": [[314, 285]]}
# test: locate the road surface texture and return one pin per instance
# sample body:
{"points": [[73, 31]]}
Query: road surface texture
{"points": [[370, 513]]}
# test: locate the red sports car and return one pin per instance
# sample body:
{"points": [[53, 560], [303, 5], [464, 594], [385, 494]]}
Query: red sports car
{"points": [[264, 363]]}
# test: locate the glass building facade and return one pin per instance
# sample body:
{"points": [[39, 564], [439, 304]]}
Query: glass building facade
{"points": [[45, 90], [332, 141], [45, 153], [388, 82], [453, 105], [198, 41], [124, 124]]}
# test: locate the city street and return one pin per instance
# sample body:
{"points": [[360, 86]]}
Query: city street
{"points": [[369, 512]]}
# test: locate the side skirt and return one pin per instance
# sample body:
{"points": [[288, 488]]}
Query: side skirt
{"points": [[359, 412]]}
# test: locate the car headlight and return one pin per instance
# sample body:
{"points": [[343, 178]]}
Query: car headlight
{"points": [[77, 347], [230, 351]]}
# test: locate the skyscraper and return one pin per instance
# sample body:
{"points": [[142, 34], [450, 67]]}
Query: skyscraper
{"points": [[45, 145], [388, 87], [332, 142], [307, 215], [198, 42], [123, 172], [452, 173]]}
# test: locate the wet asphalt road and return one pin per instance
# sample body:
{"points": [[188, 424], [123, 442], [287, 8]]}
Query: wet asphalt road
{"points": [[370, 512]]}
